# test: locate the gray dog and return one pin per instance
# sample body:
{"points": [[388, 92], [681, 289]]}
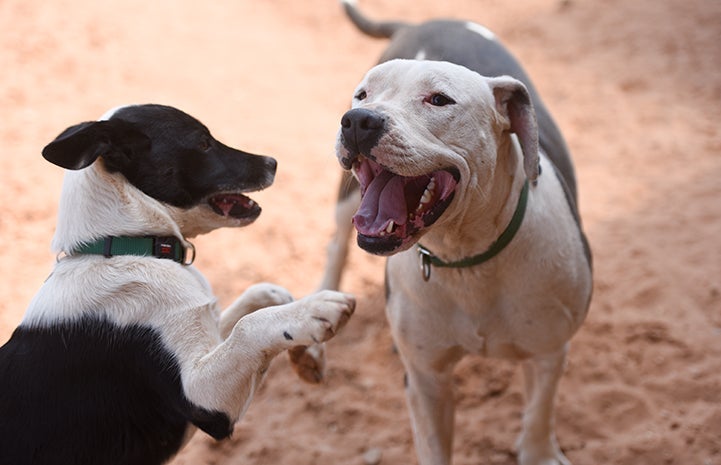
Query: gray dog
{"points": [[469, 177]]}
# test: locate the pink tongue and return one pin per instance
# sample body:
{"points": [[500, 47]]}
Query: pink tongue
{"points": [[225, 205], [383, 201]]}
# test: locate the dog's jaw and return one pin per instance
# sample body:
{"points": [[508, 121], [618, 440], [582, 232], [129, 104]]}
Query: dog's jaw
{"points": [[203, 219], [396, 210]]}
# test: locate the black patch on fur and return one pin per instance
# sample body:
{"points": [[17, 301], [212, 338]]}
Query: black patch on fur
{"points": [[93, 392], [164, 152], [287, 336]]}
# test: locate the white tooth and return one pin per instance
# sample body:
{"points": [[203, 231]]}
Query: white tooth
{"points": [[430, 190], [389, 228], [427, 194]]}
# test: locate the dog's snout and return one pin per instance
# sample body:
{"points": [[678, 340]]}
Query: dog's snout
{"points": [[363, 120], [272, 165], [361, 129]]}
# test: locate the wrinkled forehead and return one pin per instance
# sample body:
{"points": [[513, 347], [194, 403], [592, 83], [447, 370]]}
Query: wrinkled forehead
{"points": [[414, 75]]}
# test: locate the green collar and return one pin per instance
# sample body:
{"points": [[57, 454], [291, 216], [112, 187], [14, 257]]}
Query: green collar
{"points": [[168, 247], [428, 259]]}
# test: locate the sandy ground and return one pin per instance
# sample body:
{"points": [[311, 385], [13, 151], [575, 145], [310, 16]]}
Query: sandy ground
{"points": [[634, 85]]}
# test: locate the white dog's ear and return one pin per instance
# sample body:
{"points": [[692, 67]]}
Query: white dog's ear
{"points": [[80, 145], [514, 103]]}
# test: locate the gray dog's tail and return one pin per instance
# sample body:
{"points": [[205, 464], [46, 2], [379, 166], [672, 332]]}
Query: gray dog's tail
{"points": [[377, 29]]}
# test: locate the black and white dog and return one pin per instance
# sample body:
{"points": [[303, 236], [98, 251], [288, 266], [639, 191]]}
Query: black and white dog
{"points": [[123, 352]]}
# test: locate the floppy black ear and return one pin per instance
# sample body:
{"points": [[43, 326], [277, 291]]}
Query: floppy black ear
{"points": [[514, 102], [79, 146]]}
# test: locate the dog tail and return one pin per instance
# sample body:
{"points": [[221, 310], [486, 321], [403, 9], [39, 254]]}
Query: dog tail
{"points": [[377, 29]]}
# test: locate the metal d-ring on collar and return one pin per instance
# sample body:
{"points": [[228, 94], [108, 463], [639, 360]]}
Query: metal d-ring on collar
{"points": [[427, 258]]}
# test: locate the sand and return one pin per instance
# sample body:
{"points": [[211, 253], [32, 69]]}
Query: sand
{"points": [[635, 87]]}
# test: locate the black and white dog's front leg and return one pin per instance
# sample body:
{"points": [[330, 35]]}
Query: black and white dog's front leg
{"points": [[225, 378], [254, 298]]}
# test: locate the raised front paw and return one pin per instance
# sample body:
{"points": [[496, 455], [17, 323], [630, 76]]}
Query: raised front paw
{"points": [[254, 298], [318, 317], [265, 295]]}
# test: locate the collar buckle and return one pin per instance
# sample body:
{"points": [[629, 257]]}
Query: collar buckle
{"points": [[167, 247]]}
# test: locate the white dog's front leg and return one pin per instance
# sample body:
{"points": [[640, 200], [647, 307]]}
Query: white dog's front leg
{"points": [[255, 297], [431, 405], [225, 379], [537, 444]]}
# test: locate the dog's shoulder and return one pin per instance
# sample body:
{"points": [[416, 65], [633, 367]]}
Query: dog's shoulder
{"points": [[125, 289]]}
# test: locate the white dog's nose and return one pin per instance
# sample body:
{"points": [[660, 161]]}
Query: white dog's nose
{"points": [[360, 131]]}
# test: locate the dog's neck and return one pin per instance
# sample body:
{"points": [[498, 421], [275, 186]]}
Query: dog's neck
{"points": [[95, 204], [486, 212]]}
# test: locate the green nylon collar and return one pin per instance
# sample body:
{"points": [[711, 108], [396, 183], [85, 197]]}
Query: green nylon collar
{"points": [[168, 247], [427, 258]]}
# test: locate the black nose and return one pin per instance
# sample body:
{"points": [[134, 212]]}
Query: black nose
{"points": [[361, 129]]}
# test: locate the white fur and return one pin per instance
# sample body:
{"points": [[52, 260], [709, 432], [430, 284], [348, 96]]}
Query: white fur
{"points": [[109, 114], [482, 30]]}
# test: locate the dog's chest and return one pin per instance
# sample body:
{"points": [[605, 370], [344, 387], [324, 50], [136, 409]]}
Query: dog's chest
{"points": [[482, 310]]}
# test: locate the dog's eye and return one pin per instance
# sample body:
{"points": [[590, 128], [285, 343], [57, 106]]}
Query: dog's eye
{"points": [[361, 95], [440, 100]]}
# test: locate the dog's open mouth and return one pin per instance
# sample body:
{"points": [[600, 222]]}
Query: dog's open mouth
{"points": [[395, 208], [234, 205]]}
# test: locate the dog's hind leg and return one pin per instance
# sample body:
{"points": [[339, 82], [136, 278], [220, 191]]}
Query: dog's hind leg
{"points": [[255, 297], [537, 444], [309, 362], [348, 202]]}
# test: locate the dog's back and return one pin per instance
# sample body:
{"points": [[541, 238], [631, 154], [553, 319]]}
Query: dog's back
{"points": [[475, 47]]}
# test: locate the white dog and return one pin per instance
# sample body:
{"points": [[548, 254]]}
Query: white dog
{"points": [[487, 255], [123, 352], [449, 158]]}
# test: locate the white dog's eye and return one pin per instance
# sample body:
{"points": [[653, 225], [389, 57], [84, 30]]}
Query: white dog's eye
{"points": [[440, 100], [361, 95]]}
